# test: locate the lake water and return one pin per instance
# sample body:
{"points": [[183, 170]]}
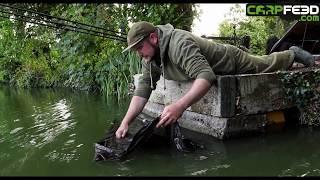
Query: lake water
{"points": [[46, 132]]}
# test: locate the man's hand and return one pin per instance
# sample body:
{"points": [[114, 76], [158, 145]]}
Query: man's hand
{"points": [[136, 106], [170, 114], [122, 130]]}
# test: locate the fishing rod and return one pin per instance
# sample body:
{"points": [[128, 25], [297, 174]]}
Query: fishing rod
{"points": [[49, 16], [59, 25]]}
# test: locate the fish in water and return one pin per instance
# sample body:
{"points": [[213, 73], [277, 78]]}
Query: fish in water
{"points": [[113, 148]]}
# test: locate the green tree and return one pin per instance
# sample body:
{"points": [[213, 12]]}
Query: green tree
{"points": [[38, 56], [259, 28]]}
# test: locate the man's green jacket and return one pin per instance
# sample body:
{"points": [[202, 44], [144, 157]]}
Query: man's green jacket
{"points": [[184, 57]]}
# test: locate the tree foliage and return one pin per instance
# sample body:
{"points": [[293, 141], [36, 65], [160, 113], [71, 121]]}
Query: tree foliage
{"points": [[302, 89], [259, 28], [37, 56]]}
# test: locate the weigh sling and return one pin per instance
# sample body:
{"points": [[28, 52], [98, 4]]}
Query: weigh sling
{"points": [[112, 148]]}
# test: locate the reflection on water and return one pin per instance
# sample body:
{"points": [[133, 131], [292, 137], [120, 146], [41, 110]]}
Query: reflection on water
{"points": [[39, 128], [43, 126], [52, 132], [51, 122]]}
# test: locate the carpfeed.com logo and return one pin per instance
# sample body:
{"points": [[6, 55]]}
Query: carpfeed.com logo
{"points": [[301, 12]]}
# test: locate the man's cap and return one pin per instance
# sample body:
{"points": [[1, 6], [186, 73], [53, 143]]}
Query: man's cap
{"points": [[138, 32]]}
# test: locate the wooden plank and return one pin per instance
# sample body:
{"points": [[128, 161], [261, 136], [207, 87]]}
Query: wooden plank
{"points": [[226, 96], [234, 94], [218, 127], [264, 92], [260, 93]]}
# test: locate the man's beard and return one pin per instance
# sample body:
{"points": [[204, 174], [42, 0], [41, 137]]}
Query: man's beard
{"points": [[156, 55]]}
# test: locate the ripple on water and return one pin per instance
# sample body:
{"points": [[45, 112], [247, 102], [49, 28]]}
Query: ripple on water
{"points": [[79, 145], [203, 158], [52, 121], [200, 172], [16, 130], [69, 142], [49, 123], [62, 156], [301, 169]]}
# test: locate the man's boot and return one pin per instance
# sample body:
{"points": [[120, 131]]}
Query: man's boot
{"points": [[302, 56]]}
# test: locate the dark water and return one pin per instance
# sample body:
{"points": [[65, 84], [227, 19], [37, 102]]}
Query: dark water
{"points": [[52, 132]]}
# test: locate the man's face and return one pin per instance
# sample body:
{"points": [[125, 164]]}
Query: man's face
{"points": [[145, 49]]}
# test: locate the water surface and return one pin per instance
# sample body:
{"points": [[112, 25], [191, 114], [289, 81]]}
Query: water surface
{"points": [[46, 132]]}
